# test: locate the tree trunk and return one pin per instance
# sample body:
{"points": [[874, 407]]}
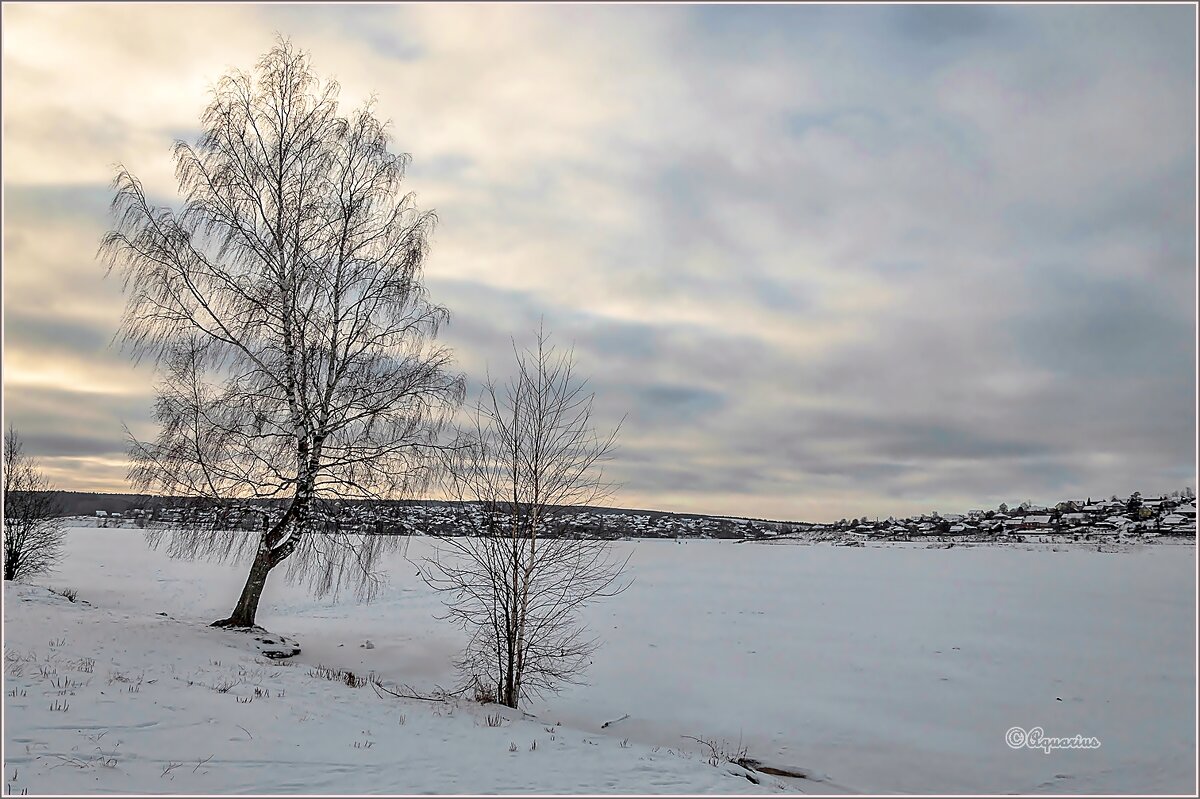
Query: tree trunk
{"points": [[14, 545], [269, 555], [506, 695], [247, 606]]}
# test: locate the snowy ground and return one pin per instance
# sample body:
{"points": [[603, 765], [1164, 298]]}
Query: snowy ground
{"points": [[877, 669]]}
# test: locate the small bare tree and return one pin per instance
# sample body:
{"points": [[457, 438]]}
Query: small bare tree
{"points": [[33, 531], [284, 307], [518, 577]]}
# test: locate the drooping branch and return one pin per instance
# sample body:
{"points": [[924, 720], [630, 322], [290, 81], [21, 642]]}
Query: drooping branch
{"points": [[284, 308]]}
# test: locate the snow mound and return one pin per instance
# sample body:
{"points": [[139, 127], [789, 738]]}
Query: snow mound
{"points": [[268, 644]]}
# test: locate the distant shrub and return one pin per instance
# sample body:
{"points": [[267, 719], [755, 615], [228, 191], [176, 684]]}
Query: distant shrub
{"points": [[33, 531]]}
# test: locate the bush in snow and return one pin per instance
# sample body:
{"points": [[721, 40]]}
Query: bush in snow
{"points": [[33, 531], [517, 581]]}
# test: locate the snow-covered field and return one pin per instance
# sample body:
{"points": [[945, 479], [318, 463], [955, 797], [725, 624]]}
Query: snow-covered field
{"points": [[877, 669]]}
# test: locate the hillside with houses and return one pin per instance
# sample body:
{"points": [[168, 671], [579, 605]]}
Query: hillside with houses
{"points": [[1136, 517], [1172, 516]]}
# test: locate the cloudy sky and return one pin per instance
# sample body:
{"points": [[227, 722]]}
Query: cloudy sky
{"points": [[831, 261]]}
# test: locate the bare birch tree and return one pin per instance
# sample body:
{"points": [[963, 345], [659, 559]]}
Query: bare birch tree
{"points": [[285, 309], [33, 531], [516, 581]]}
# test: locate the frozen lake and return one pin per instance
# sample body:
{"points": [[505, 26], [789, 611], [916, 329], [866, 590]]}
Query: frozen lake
{"points": [[885, 669]]}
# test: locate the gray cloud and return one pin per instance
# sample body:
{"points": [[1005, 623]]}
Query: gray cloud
{"points": [[28, 328], [1119, 329], [939, 25], [87, 202]]}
